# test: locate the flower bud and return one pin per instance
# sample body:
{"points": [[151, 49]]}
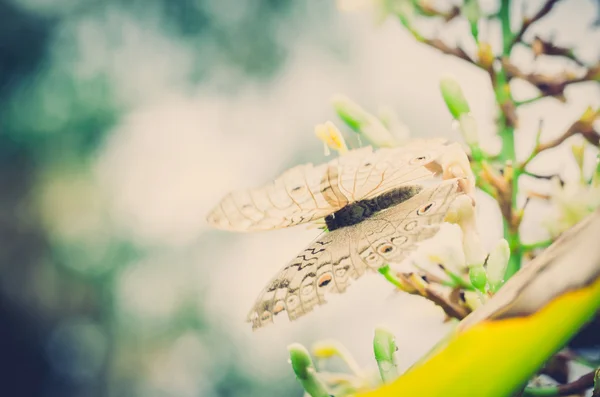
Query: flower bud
{"points": [[468, 127], [478, 277], [472, 12], [363, 122], [485, 55], [463, 214], [496, 264], [331, 137], [384, 348], [454, 97], [305, 371]]}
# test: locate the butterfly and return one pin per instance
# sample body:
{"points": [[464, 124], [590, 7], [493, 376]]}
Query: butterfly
{"points": [[375, 206]]}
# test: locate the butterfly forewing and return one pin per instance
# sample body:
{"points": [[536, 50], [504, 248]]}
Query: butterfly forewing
{"points": [[306, 193], [334, 259]]}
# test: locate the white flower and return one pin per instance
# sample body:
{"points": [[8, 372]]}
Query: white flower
{"points": [[572, 202], [444, 249], [463, 214], [455, 164]]}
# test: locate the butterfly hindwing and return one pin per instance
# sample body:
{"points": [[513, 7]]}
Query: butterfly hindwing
{"points": [[333, 260]]}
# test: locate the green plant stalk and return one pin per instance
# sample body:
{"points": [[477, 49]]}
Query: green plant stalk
{"points": [[305, 371], [389, 276], [536, 245], [506, 132], [516, 251], [384, 347], [458, 281], [507, 36]]}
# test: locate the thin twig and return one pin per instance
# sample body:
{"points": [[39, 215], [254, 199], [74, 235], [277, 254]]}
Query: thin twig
{"points": [[539, 176], [536, 245], [436, 43], [428, 10], [540, 46], [527, 22], [424, 289], [446, 49], [583, 126], [549, 86]]}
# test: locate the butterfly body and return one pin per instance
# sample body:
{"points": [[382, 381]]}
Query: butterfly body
{"points": [[357, 212]]}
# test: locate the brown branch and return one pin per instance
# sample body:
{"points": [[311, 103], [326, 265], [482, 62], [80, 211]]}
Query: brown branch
{"points": [[527, 22], [540, 46], [584, 126], [547, 177], [590, 135], [423, 289], [557, 368], [572, 130], [451, 309], [428, 10], [580, 385], [501, 183], [553, 86], [446, 49], [535, 195], [437, 43]]}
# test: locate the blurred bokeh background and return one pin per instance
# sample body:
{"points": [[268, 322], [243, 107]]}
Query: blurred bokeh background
{"points": [[123, 122]]}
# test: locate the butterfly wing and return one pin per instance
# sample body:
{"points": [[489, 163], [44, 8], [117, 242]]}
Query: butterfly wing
{"points": [[306, 193], [333, 260]]}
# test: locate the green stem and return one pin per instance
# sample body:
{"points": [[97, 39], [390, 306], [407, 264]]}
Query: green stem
{"points": [[389, 276], [530, 100], [516, 252], [507, 36], [506, 131], [536, 245]]}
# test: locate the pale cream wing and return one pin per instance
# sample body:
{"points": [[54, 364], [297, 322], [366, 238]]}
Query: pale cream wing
{"points": [[332, 261], [301, 194], [306, 193]]}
